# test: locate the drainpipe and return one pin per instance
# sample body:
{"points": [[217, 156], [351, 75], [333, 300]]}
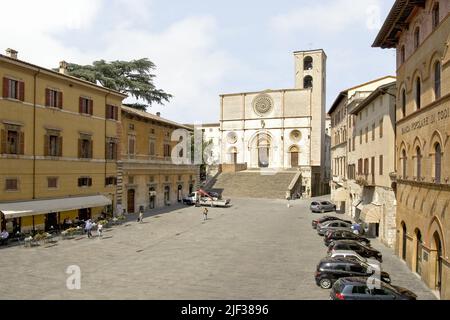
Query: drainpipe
{"points": [[34, 133], [106, 161]]}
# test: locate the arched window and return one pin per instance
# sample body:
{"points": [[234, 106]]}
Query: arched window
{"points": [[436, 18], [308, 82], [416, 38], [308, 63], [419, 164], [418, 93], [402, 54], [404, 103], [437, 80], [437, 162], [404, 163]]}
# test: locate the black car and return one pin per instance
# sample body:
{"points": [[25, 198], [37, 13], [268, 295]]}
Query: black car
{"points": [[337, 235], [362, 250], [358, 289], [329, 270], [323, 219]]}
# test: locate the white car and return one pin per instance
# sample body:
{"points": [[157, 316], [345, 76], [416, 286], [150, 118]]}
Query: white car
{"points": [[353, 255]]}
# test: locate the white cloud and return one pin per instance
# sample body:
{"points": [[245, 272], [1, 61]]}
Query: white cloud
{"points": [[328, 17]]}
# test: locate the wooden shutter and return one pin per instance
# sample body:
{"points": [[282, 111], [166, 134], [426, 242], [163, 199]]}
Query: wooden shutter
{"points": [[46, 145], [21, 91], [60, 146], [116, 113], [80, 147], [91, 151], [3, 141], [5, 88], [91, 107], [60, 100], [47, 97], [80, 105], [21, 143]]}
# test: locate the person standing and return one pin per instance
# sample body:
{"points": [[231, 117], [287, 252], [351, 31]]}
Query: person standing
{"points": [[100, 230], [88, 228], [141, 216], [205, 214]]}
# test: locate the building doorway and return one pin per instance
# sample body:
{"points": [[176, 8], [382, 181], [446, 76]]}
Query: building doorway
{"points": [[167, 195], [152, 198], [84, 214], [404, 241], [419, 252], [437, 246], [294, 157], [180, 193], [51, 222], [263, 145], [191, 188], [130, 201]]}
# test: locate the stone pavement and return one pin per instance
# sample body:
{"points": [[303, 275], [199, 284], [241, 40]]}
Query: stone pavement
{"points": [[257, 249]]}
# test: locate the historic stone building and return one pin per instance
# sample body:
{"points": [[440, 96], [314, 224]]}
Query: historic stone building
{"points": [[59, 137], [276, 130], [419, 31], [148, 176]]}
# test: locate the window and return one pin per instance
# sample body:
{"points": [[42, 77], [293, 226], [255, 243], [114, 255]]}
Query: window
{"points": [[131, 126], [179, 178], [418, 93], [308, 63], [308, 82], [52, 183], [437, 163], [419, 164], [417, 38], [112, 112], [402, 54], [11, 185], [404, 158], [13, 89], [360, 166], [85, 147], [403, 103], [110, 181], [367, 134], [353, 142], [381, 165], [111, 149], [131, 145], [437, 80], [86, 106], [166, 178], [366, 167], [85, 182], [167, 150], [373, 131], [360, 136], [152, 147], [53, 98], [130, 179], [381, 127], [436, 18], [53, 145]]}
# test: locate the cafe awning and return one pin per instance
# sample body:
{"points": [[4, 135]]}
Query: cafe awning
{"points": [[371, 213], [339, 195], [37, 207]]}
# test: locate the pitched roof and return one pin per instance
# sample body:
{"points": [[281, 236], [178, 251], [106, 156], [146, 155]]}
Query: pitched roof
{"points": [[150, 116], [379, 91]]}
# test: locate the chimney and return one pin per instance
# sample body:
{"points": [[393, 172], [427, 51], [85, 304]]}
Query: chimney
{"points": [[63, 67], [158, 114], [11, 53]]}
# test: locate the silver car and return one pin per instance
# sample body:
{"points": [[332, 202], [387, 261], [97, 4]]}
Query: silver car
{"points": [[322, 206], [333, 225]]}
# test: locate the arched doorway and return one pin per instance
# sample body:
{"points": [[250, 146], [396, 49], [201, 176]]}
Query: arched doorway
{"points": [[166, 195], [263, 145], [180, 193], [437, 246], [419, 252], [404, 241], [294, 151], [130, 201], [152, 197]]}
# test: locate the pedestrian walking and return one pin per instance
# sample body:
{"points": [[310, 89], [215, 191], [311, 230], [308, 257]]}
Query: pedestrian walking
{"points": [[88, 228], [205, 214], [100, 230], [141, 216]]}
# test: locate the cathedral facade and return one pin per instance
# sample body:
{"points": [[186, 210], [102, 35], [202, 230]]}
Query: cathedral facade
{"points": [[280, 130]]}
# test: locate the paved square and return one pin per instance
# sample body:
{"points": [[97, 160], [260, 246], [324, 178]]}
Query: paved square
{"points": [[257, 249]]}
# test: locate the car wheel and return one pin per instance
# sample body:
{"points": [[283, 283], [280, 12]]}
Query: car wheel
{"points": [[325, 283]]}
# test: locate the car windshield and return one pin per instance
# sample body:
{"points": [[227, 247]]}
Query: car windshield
{"points": [[314, 203], [325, 203]]}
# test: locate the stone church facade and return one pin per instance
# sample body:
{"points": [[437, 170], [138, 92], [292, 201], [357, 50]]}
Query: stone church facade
{"points": [[279, 130]]}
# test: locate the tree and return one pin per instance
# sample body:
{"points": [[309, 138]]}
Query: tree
{"points": [[134, 78]]}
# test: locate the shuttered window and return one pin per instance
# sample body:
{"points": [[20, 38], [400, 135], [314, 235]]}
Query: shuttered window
{"points": [[12, 141], [53, 98], [85, 148], [111, 181], [86, 106], [85, 182], [13, 89], [112, 112], [11, 184]]}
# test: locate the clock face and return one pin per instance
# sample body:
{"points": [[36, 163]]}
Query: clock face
{"points": [[262, 104], [296, 135], [232, 137]]}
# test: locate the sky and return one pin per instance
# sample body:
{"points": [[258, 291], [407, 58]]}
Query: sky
{"points": [[204, 48]]}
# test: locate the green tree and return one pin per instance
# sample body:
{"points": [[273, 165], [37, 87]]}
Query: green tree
{"points": [[134, 78]]}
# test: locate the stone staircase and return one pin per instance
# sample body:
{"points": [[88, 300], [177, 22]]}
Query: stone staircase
{"points": [[253, 184]]}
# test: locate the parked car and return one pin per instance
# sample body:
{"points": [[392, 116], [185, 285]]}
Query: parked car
{"points": [[322, 206], [322, 228], [323, 219], [344, 234], [362, 250], [190, 199], [329, 270], [356, 288], [348, 254]]}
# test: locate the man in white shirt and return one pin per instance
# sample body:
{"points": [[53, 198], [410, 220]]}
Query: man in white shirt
{"points": [[4, 237]]}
